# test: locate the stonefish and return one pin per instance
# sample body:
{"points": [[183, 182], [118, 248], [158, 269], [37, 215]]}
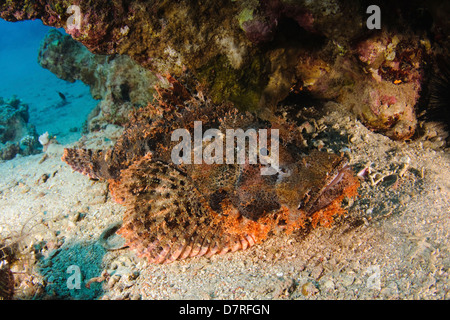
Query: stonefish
{"points": [[180, 210]]}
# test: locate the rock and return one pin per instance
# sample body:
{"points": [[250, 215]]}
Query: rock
{"points": [[117, 81], [44, 139], [17, 136], [8, 151]]}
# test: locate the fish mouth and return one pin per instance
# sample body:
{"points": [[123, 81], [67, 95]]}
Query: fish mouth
{"points": [[332, 190]]}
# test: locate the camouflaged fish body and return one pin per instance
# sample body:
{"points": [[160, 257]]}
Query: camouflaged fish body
{"points": [[180, 211]]}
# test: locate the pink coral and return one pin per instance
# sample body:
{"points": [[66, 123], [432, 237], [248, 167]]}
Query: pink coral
{"points": [[370, 50]]}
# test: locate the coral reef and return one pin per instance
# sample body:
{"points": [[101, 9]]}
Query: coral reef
{"points": [[17, 136], [253, 53], [395, 64], [117, 81], [176, 211], [380, 79]]}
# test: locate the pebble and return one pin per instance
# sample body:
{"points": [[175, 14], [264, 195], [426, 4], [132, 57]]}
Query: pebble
{"points": [[75, 217], [318, 144], [112, 281], [43, 178], [348, 280], [405, 159], [389, 180], [309, 289], [317, 272], [329, 285]]}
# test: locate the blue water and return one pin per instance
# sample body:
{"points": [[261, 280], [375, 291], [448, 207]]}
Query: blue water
{"points": [[21, 75]]}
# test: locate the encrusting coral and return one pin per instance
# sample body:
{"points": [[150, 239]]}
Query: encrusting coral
{"points": [[175, 211], [253, 52]]}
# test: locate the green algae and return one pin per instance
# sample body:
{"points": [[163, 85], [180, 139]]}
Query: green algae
{"points": [[55, 269], [245, 15], [243, 87]]}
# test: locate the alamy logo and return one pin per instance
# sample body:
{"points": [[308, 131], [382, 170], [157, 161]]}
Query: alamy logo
{"points": [[235, 147], [74, 21], [374, 21], [74, 280]]}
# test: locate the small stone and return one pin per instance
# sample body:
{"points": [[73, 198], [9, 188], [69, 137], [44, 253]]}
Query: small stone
{"points": [[348, 280], [40, 194], [319, 144], [317, 272], [309, 289], [75, 217], [44, 157], [43, 178], [328, 285], [25, 189], [307, 127], [405, 159], [113, 280], [389, 180]]}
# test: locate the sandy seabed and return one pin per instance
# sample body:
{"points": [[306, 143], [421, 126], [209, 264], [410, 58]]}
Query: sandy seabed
{"points": [[392, 244]]}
